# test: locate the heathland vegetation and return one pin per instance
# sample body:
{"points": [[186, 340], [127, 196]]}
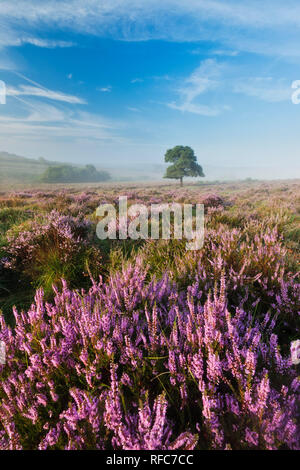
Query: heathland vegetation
{"points": [[122, 344]]}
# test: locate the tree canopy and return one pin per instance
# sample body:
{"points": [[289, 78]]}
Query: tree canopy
{"points": [[184, 163]]}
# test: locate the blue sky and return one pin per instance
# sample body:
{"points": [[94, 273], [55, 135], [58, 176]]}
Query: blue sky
{"points": [[118, 82]]}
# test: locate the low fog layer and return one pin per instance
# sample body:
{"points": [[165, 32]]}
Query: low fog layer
{"points": [[30, 170]]}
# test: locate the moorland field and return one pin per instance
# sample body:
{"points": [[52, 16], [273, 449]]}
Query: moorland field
{"points": [[123, 344]]}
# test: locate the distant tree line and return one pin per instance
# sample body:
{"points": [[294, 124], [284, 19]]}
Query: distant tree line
{"points": [[72, 174]]}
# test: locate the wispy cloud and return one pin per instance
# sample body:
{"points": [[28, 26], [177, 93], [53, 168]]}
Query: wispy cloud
{"points": [[105, 89], [201, 109], [214, 76], [6, 64], [43, 121], [11, 37], [173, 20], [162, 77], [49, 44], [35, 118], [37, 90], [28, 90], [81, 13], [224, 52], [205, 78], [264, 88], [134, 110], [137, 80], [216, 52]]}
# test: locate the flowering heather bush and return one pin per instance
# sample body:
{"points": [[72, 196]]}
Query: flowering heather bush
{"points": [[65, 233], [131, 365], [212, 200], [51, 247]]}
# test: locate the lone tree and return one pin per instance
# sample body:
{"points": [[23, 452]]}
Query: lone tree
{"points": [[184, 163]]}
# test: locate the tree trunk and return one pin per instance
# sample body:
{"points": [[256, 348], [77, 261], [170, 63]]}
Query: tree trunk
{"points": [[181, 183]]}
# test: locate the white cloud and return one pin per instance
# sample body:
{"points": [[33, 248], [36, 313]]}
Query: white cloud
{"points": [[162, 77], [134, 110], [105, 89], [205, 78], [137, 80], [221, 52], [11, 37], [201, 109], [49, 44], [217, 52], [27, 90]]}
